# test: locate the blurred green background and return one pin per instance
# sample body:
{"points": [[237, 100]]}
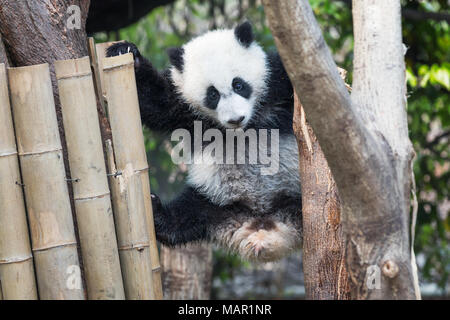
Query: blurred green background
{"points": [[427, 40]]}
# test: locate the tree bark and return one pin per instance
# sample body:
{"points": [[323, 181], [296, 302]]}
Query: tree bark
{"points": [[3, 56], [364, 137], [187, 272], [324, 266], [36, 32]]}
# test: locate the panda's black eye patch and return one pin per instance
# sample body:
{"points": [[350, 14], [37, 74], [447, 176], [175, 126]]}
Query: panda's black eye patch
{"points": [[212, 97], [242, 88]]}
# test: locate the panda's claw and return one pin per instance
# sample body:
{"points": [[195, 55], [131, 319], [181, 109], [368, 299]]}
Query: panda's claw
{"points": [[119, 48]]}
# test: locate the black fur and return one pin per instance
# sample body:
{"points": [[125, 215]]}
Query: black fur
{"points": [[191, 216], [242, 88], [244, 34], [124, 48], [212, 98], [176, 57]]}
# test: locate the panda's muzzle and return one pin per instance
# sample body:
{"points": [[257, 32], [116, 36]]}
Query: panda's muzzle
{"points": [[236, 121]]}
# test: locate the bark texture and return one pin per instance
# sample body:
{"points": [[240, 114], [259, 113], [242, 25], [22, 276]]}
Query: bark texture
{"points": [[364, 137], [3, 56], [324, 265], [187, 272]]}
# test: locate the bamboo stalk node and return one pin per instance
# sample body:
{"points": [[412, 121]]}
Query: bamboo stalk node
{"points": [[53, 246], [137, 246], [16, 259], [8, 154], [39, 152], [93, 197]]}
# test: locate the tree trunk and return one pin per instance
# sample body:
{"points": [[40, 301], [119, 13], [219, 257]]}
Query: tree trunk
{"points": [[364, 137], [36, 32], [187, 272], [324, 268]]}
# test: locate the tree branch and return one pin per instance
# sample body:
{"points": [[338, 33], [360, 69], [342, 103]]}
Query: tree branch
{"points": [[417, 15], [364, 139], [424, 15], [436, 140], [113, 15], [347, 146]]}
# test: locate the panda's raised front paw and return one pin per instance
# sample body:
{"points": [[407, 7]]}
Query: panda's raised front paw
{"points": [[120, 48]]}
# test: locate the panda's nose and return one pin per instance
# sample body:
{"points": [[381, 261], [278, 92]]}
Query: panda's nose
{"points": [[236, 121]]}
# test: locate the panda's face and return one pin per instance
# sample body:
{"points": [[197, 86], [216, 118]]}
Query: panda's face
{"points": [[231, 104], [222, 74]]}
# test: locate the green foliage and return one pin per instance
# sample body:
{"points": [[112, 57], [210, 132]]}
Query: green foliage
{"points": [[428, 79]]}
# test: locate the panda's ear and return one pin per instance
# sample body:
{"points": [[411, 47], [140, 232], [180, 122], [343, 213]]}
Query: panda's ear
{"points": [[176, 57], [244, 34]]}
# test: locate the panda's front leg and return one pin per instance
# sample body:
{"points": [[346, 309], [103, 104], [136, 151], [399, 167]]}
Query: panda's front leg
{"points": [[184, 219], [157, 99]]}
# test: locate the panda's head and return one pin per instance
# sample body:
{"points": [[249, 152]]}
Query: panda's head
{"points": [[221, 74]]}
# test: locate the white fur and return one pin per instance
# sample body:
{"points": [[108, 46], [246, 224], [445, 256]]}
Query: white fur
{"points": [[233, 107], [215, 59], [261, 245], [226, 183]]}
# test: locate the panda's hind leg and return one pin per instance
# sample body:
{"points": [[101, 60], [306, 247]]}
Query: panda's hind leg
{"points": [[263, 239]]}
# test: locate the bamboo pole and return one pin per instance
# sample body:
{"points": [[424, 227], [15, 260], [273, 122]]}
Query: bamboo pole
{"points": [[132, 206], [91, 192], [100, 49], [96, 72], [16, 261], [47, 199], [132, 236]]}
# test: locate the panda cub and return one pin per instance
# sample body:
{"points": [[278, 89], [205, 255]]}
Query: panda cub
{"points": [[225, 81]]}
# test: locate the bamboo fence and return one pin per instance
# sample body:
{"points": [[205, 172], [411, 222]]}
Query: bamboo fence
{"points": [[38, 244], [130, 189], [91, 192], [16, 260], [47, 200]]}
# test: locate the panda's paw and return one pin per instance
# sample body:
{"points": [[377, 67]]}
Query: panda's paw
{"points": [[265, 240], [120, 48]]}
